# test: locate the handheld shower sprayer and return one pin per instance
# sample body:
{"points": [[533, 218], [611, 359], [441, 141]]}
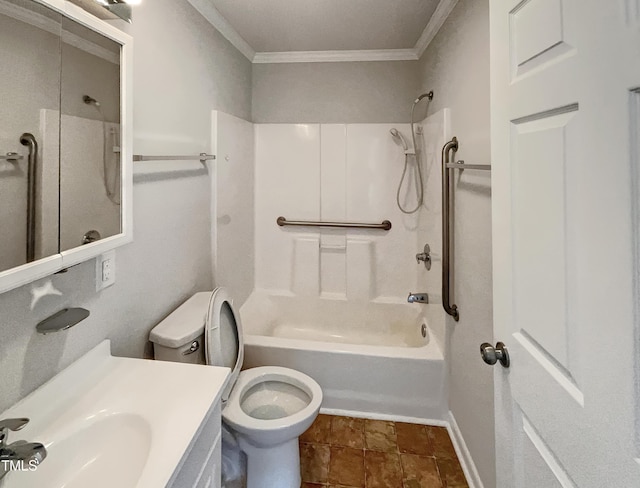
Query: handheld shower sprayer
{"points": [[112, 193], [415, 152], [399, 138]]}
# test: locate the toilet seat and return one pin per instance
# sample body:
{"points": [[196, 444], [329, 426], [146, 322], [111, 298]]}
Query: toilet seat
{"points": [[224, 344], [236, 417]]}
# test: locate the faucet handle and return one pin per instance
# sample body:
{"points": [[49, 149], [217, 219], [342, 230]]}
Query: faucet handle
{"points": [[10, 424], [13, 424], [425, 257]]}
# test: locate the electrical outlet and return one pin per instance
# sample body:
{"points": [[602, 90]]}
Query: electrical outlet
{"points": [[105, 270]]}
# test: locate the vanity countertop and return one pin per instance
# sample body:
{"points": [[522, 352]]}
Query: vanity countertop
{"points": [[109, 421]]}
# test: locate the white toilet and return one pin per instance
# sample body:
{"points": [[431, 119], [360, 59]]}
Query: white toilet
{"points": [[267, 408]]}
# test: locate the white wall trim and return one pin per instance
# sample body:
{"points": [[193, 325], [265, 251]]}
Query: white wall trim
{"points": [[215, 18], [335, 56], [443, 10], [382, 416], [213, 181], [466, 461]]}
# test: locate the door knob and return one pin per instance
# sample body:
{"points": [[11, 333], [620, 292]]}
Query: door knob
{"points": [[491, 355]]}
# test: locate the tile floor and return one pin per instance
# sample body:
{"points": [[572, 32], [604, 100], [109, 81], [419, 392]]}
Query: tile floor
{"points": [[344, 452]]}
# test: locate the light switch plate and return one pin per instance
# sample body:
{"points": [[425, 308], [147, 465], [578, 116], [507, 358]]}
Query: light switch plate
{"points": [[105, 270]]}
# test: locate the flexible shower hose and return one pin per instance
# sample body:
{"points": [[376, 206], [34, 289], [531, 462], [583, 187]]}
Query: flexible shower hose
{"points": [[111, 194], [404, 171]]}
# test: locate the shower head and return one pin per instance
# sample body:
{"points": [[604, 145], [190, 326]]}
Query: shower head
{"points": [[90, 100], [27, 139], [399, 138], [428, 95]]}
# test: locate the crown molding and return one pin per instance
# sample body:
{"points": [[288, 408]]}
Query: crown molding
{"points": [[29, 17], [443, 10], [335, 56], [54, 27], [215, 18]]}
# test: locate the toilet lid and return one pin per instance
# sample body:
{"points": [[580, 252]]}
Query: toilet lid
{"points": [[223, 337]]}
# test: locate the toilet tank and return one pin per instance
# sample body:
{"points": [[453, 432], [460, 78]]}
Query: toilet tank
{"points": [[180, 336]]}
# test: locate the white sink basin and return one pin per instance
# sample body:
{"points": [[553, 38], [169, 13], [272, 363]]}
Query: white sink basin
{"points": [[114, 422], [113, 449]]}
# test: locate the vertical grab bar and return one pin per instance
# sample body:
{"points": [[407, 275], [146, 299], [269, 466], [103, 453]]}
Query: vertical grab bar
{"points": [[451, 309], [29, 140]]}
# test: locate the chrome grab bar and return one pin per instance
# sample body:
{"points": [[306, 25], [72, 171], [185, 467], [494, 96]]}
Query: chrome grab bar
{"points": [[451, 309], [384, 225], [29, 140], [449, 163]]}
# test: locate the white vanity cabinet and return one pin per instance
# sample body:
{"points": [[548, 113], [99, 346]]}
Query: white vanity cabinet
{"points": [[200, 465], [124, 423]]}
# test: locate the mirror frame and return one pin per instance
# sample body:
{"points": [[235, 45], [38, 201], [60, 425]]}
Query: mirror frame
{"points": [[29, 272]]}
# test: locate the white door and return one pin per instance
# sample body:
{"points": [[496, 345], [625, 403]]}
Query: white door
{"points": [[565, 88]]}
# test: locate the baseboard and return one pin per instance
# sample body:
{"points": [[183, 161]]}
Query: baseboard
{"points": [[382, 416], [466, 461]]}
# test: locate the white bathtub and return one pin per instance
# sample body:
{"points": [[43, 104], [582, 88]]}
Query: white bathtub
{"points": [[369, 358]]}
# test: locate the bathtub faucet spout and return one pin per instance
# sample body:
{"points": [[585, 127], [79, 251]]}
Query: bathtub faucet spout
{"points": [[418, 298]]}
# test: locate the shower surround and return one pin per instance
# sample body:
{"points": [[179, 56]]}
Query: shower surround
{"points": [[333, 302], [332, 172]]}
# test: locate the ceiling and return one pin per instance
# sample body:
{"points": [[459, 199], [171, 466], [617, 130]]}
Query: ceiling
{"points": [[327, 25], [290, 31], [294, 31]]}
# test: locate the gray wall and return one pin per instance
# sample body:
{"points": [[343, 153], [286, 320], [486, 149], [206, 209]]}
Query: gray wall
{"points": [[456, 67], [345, 92], [170, 257]]}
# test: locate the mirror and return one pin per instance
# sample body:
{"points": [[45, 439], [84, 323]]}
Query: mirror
{"points": [[89, 137], [30, 88], [64, 176]]}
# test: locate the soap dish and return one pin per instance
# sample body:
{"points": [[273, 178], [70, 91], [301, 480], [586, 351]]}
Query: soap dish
{"points": [[62, 320]]}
